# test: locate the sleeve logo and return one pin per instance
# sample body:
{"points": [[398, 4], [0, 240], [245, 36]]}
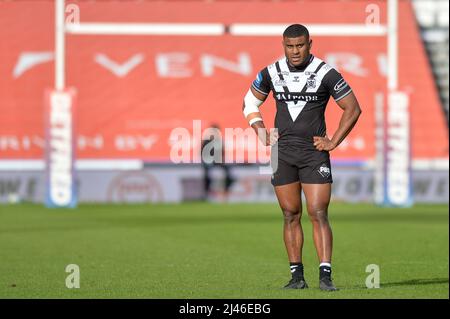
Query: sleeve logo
{"points": [[340, 85]]}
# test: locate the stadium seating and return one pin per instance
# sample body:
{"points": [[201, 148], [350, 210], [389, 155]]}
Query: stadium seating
{"points": [[433, 18]]}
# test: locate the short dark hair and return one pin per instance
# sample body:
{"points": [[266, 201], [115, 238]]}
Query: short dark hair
{"points": [[295, 30]]}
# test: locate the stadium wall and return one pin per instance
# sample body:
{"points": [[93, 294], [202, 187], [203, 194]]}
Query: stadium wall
{"points": [[167, 183]]}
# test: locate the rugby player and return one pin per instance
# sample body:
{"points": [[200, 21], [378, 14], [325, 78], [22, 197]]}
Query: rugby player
{"points": [[302, 85]]}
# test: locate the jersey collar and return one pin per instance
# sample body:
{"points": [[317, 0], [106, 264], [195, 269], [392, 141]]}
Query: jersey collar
{"points": [[301, 67]]}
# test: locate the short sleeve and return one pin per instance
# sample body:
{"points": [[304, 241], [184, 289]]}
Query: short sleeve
{"points": [[262, 82], [336, 85]]}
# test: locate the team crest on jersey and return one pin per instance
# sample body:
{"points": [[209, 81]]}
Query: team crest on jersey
{"points": [[324, 171], [311, 81]]}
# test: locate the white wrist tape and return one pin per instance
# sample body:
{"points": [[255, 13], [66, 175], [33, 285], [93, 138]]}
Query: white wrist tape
{"points": [[254, 120], [251, 103]]}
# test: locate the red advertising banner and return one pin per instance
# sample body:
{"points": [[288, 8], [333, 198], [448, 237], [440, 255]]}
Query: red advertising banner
{"points": [[133, 91]]}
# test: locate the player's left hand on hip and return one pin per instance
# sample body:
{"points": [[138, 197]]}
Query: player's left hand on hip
{"points": [[323, 143]]}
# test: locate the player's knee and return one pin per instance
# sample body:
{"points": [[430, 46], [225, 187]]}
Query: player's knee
{"points": [[318, 215], [291, 215]]}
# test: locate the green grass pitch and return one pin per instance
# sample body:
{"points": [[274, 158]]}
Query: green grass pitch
{"points": [[200, 250]]}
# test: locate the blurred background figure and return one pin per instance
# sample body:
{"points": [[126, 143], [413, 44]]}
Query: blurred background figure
{"points": [[213, 156]]}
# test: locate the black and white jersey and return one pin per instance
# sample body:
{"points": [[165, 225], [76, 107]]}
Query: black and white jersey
{"points": [[301, 96]]}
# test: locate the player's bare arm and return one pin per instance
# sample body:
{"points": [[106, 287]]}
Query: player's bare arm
{"points": [[349, 117]]}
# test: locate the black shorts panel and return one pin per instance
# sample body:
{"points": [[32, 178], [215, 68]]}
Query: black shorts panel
{"points": [[285, 173], [317, 172], [309, 167]]}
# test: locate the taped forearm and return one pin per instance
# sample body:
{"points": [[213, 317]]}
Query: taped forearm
{"points": [[251, 108]]}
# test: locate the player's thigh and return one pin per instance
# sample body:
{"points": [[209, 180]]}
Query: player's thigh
{"points": [[286, 182], [317, 197], [289, 197]]}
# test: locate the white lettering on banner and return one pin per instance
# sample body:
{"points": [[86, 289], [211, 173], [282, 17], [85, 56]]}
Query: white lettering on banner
{"points": [[16, 143], [125, 143], [9, 143], [120, 70], [243, 66], [34, 140], [398, 157], [179, 65], [95, 142], [60, 156], [26, 142], [173, 65], [347, 62], [28, 60]]}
